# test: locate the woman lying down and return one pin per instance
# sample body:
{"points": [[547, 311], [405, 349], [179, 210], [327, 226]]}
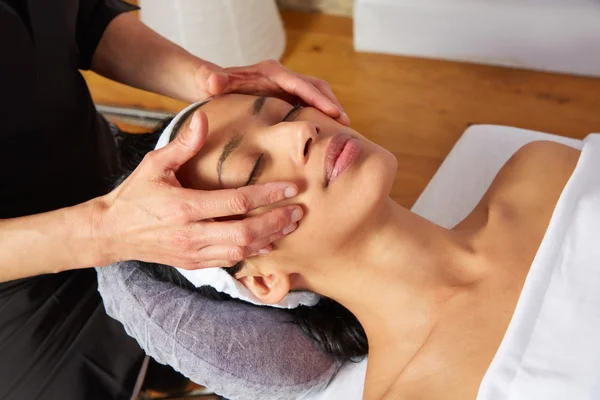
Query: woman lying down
{"points": [[434, 303]]}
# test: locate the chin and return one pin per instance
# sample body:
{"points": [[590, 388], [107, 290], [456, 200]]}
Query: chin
{"points": [[366, 188], [377, 172]]}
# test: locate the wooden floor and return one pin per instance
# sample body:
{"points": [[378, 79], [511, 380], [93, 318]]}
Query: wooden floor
{"points": [[414, 107]]}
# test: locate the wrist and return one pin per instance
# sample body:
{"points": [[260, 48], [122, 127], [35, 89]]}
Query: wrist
{"points": [[96, 241]]}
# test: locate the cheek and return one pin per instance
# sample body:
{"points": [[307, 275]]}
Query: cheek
{"points": [[340, 213]]}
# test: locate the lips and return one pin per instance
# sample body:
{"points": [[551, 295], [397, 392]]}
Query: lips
{"points": [[340, 153]]}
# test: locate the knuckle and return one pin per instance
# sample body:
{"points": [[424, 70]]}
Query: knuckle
{"points": [[272, 63], [150, 159], [243, 236], [321, 83], [240, 203], [237, 253], [182, 240], [273, 196], [295, 85], [280, 221], [181, 212]]}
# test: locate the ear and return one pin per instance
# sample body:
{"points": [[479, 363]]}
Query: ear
{"points": [[270, 289]]}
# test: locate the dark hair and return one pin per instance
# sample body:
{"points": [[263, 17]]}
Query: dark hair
{"points": [[332, 327]]}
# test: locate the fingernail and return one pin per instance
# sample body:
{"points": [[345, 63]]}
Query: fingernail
{"points": [[264, 250], [194, 122], [297, 214], [345, 117], [290, 192], [289, 229]]}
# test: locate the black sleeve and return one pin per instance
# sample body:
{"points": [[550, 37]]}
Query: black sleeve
{"points": [[92, 19]]}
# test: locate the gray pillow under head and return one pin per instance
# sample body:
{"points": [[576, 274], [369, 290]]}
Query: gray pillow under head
{"points": [[239, 351]]}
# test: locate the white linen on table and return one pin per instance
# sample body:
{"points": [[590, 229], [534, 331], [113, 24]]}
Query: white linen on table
{"points": [[551, 349]]}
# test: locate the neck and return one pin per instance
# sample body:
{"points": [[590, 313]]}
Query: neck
{"points": [[397, 278]]}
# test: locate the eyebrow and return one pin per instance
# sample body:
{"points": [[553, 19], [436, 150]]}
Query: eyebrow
{"points": [[236, 140], [258, 105], [229, 148]]}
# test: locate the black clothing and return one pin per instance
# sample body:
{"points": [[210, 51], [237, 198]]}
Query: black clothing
{"points": [[56, 150], [56, 341]]}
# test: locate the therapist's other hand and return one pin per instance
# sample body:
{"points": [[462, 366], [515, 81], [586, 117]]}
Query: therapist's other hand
{"points": [[151, 217], [270, 78]]}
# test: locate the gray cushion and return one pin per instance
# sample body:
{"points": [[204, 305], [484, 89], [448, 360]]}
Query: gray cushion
{"points": [[237, 350]]}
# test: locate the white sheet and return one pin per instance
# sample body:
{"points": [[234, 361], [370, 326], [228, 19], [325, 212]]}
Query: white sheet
{"points": [[551, 349], [449, 197]]}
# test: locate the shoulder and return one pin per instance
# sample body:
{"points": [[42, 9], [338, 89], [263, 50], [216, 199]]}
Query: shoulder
{"points": [[548, 154], [544, 162], [535, 175]]}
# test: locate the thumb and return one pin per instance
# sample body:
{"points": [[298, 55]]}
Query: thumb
{"points": [[211, 79], [188, 142], [217, 82]]}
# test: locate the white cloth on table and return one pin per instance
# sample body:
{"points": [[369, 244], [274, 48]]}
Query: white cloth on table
{"points": [[551, 349]]}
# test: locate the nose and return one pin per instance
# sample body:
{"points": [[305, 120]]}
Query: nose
{"points": [[297, 138]]}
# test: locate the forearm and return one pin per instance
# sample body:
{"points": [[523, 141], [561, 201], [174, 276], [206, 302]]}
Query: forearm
{"points": [[131, 53], [52, 242]]}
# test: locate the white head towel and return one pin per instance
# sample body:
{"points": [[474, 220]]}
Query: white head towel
{"points": [[220, 279]]}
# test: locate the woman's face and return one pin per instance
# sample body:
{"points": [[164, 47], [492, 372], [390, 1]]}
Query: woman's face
{"points": [[343, 178]]}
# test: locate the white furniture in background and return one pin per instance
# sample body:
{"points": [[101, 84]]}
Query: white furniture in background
{"points": [[550, 35], [225, 32]]}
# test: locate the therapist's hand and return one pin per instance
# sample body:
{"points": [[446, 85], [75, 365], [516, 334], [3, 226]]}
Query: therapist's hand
{"points": [[270, 78], [151, 217], [172, 71]]}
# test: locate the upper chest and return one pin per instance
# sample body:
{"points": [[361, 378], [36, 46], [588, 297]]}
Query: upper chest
{"points": [[511, 219]]}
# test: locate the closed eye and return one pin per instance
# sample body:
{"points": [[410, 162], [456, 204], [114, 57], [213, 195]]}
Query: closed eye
{"points": [[256, 170], [290, 115]]}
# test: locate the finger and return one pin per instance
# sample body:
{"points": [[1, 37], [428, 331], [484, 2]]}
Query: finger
{"points": [[309, 94], [263, 246], [324, 87], [221, 256], [187, 143], [326, 90], [249, 80], [251, 230], [209, 263], [300, 87], [227, 202]]}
